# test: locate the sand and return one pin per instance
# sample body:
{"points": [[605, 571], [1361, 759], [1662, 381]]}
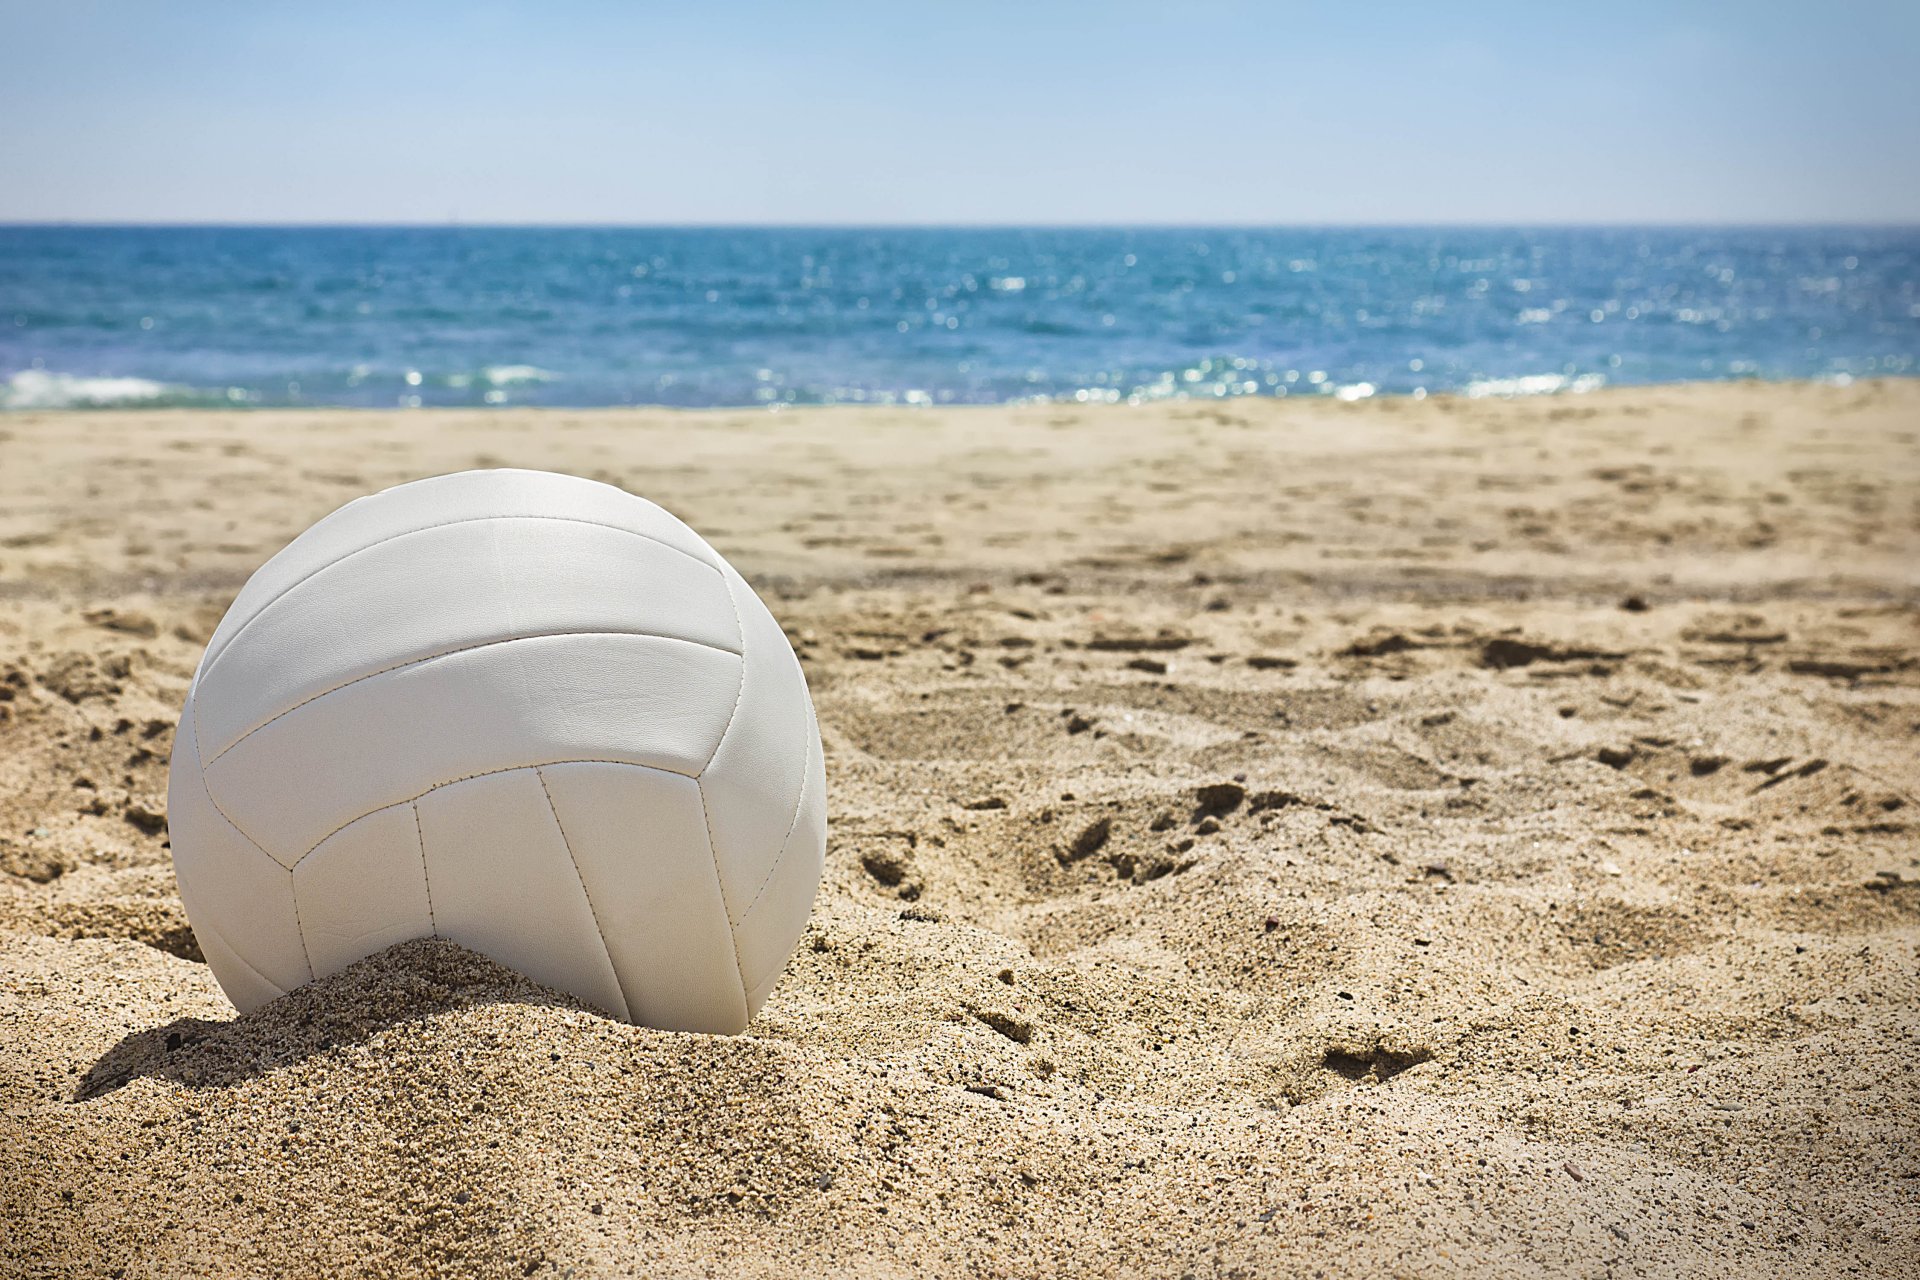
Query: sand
{"points": [[1454, 838]]}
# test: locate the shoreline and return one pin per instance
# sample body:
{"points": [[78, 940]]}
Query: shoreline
{"points": [[217, 405]]}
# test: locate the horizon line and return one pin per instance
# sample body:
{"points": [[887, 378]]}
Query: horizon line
{"points": [[187, 224]]}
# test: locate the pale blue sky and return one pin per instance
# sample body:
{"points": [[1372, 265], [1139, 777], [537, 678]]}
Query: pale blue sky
{"points": [[843, 111]]}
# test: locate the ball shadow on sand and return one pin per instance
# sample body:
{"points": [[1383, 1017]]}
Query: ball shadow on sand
{"points": [[405, 983]]}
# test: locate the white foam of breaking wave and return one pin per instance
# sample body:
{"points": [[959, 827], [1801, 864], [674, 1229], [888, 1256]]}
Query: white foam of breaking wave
{"points": [[40, 389], [1535, 384], [507, 375]]}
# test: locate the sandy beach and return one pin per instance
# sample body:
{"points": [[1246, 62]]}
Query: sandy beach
{"points": [[1267, 838]]}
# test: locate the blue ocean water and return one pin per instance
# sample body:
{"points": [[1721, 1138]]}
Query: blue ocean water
{"points": [[717, 316]]}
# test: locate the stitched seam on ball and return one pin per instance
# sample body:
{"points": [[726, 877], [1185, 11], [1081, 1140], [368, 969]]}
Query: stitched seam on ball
{"points": [[239, 828], [713, 852], [484, 773], [598, 928], [765, 986], [200, 772], [407, 533], [299, 925], [799, 802], [738, 694], [207, 787], [448, 653], [234, 951], [420, 839]]}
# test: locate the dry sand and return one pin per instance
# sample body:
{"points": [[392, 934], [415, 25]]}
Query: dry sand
{"points": [[1446, 838]]}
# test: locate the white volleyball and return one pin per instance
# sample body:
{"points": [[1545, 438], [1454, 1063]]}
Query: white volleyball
{"points": [[530, 713]]}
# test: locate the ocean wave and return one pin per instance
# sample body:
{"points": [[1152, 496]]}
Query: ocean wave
{"points": [[508, 375], [1535, 384], [43, 389]]}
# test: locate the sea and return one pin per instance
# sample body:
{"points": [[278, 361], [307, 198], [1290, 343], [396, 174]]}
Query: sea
{"points": [[771, 317]]}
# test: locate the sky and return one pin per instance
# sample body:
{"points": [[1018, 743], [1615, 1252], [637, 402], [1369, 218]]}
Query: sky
{"points": [[1036, 112]]}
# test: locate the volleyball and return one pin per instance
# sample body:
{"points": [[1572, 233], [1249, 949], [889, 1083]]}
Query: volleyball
{"points": [[529, 713]]}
